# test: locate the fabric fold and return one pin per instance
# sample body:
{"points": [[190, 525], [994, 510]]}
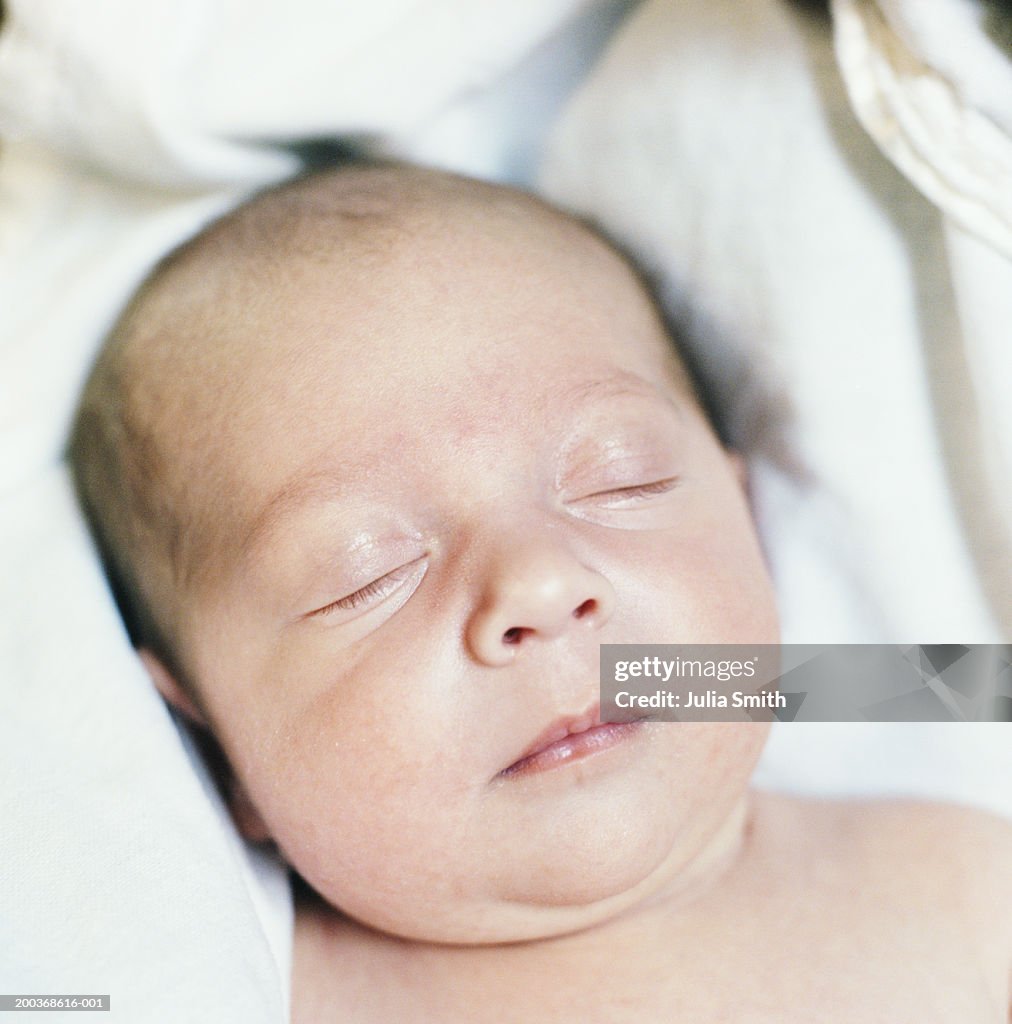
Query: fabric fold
{"points": [[923, 117]]}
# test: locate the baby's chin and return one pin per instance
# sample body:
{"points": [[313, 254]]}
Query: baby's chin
{"points": [[462, 922], [542, 899]]}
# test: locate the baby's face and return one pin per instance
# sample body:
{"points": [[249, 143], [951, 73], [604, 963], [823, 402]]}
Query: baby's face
{"points": [[452, 467]]}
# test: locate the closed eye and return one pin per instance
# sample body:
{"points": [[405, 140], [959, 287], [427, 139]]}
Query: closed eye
{"points": [[635, 491], [373, 592]]}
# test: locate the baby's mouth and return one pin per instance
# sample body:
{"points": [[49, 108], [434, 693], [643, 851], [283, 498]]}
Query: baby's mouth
{"points": [[570, 739]]}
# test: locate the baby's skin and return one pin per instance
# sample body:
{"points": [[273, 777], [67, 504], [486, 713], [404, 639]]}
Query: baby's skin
{"points": [[846, 913], [436, 446]]}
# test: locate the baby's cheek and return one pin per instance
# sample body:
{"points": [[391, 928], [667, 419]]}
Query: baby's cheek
{"points": [[708, 765], [360, 813], [701, 589], [732, 748], [721, 586]]}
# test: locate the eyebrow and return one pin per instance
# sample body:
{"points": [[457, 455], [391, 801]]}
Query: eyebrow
{"points": [[619, 384], [297, 491], [322, 485]]}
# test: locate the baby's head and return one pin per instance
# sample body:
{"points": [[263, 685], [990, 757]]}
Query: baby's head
{"points": [[377, 462]]}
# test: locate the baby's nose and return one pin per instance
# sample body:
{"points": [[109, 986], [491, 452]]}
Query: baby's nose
{"points": [[536, 592]]}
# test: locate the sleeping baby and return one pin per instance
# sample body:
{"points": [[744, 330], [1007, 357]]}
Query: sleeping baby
{"points": [[376, 462]]}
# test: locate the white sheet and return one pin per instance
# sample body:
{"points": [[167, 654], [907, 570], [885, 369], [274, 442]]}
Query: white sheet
{"points": [[119, 872], [185, 93], [119, 876]]}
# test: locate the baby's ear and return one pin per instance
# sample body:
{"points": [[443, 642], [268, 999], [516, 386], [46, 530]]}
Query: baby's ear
{"points": [[168, 686], [245, 815]]}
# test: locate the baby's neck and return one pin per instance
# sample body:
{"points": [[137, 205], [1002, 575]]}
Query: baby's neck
{"points": [[330, 949]]}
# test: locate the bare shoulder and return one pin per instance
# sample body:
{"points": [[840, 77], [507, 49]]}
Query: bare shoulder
{"points": [[960, 858], [933, 835], [934, 861], [970, 846], [916, 885]]}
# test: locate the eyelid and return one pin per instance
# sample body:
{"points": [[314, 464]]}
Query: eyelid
{"points": [[612, 496], [660, 486], [372, 592]]}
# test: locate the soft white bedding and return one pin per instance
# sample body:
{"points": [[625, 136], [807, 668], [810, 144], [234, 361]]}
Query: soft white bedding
{"points": [[126, 126], [119, 874]]}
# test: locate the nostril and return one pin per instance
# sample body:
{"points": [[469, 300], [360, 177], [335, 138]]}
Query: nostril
{"points": [[516, 634]]}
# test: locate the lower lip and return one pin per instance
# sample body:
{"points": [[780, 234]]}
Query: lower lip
{"points": [[574, 747]]}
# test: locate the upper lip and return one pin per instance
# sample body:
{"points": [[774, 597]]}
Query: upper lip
{"points": [[567, 725]]}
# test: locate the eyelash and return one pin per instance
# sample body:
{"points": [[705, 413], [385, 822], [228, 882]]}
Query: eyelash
{"points": [[381, 587], [639, 490]]}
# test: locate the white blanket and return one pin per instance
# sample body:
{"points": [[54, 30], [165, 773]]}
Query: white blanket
{"points": [[124, 127], [119, 875]]}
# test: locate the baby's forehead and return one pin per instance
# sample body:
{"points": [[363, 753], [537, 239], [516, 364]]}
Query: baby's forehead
{"points": [[386, 283], [386, 300]]}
